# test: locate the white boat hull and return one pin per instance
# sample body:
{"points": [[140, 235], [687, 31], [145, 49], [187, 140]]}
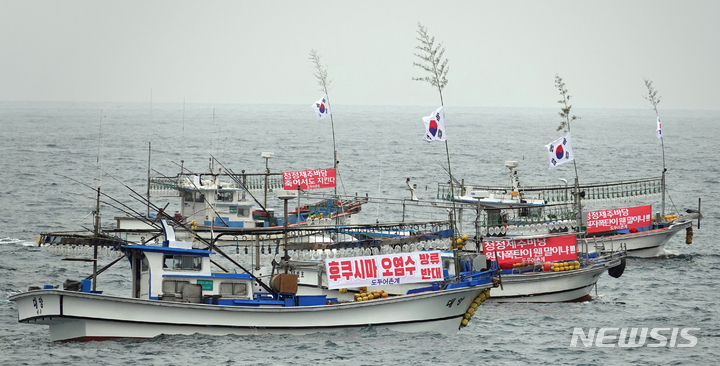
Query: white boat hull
{"points": [[647, 244], [574, 285], [77, 316]]}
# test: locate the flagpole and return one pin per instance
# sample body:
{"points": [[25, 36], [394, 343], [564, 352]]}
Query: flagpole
{"points": [[332, 125], [662, 145], [654, 99], [453, 225], [322, 78], [435, 64], [566, 113]]}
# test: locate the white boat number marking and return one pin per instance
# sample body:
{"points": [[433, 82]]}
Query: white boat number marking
{"points": [[38, 304], [452, 301]]}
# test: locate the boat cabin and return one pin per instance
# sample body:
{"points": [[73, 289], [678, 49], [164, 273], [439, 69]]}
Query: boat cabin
{"points": [[231, 209], [177, 272], [183, 275]]}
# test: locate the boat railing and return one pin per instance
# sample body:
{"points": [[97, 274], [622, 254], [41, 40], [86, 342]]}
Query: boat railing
{"points": [[551, 218], [606, 247], [622, 189], [164, 186]]}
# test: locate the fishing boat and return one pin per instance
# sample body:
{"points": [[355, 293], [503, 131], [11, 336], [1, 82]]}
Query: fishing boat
{"points": [[647, 240], [558, 274], [212, 206], [174, 291]]}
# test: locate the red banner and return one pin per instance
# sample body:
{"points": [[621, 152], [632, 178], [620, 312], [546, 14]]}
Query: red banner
{"points": [[309, 179], [381, 270], [554, 248], [619, 218]]}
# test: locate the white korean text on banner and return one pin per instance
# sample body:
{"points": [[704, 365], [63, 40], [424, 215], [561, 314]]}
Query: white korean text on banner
{"points": [[388, 269], [560, 151], [618, 219], [435, 126], [309, 179], [554, 248]]}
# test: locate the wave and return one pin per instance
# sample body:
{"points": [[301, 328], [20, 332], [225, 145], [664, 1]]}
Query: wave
{"points": [[10, 240]]}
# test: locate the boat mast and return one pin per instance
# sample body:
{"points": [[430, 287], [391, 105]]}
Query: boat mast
{"points": [[322, 78], [435, 64], [566, 113], [147, 214], [97, 208], [654, 99]]}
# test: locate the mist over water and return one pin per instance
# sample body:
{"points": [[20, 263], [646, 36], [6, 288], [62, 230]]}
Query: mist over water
{"points": [[48, 149]]}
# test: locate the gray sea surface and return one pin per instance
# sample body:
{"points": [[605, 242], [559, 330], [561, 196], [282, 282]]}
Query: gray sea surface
{"points": [[51, 151]]}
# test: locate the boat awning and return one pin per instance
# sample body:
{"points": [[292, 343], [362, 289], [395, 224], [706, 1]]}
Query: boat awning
{"points": [[167, 250]]}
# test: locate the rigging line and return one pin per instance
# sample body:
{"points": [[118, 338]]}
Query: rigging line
{"points": [[377, 215], [229, 172], [216, 249], [136, 213], [671, 200], [341, 181], [92, 188], [101, 270], [108, 196], [99, 154], [448, 172]]}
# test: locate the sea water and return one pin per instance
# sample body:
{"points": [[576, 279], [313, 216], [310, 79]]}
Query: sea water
{"points": [[53, 156]]}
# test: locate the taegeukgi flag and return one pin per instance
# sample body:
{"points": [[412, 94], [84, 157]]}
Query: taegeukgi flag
{"points": [[435, 126], [560, 151], [658, 132], [322, 107]]}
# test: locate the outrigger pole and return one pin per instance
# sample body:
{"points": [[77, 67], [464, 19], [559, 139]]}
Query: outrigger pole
{"points": [[211, 245]]}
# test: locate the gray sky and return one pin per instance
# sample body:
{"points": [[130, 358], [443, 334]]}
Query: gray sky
{"points": [[502, 53]]}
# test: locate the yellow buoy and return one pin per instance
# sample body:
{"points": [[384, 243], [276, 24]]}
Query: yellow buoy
{"points": [[465, 322]]}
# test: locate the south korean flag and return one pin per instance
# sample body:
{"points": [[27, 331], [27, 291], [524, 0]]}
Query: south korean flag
{"points": [[435, 126], [560, 151], [322, 107]]}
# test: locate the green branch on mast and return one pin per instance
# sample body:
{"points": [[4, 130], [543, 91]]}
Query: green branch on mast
{"points": [[432, 60], [652, 96], [566, 106], [320, 73]]}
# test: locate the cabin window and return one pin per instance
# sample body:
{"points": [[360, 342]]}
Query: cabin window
{"points": [[224, 196], [172, 286], [144, 265], [182, 262], [191, 196], [243, 212], [233, 289]]}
